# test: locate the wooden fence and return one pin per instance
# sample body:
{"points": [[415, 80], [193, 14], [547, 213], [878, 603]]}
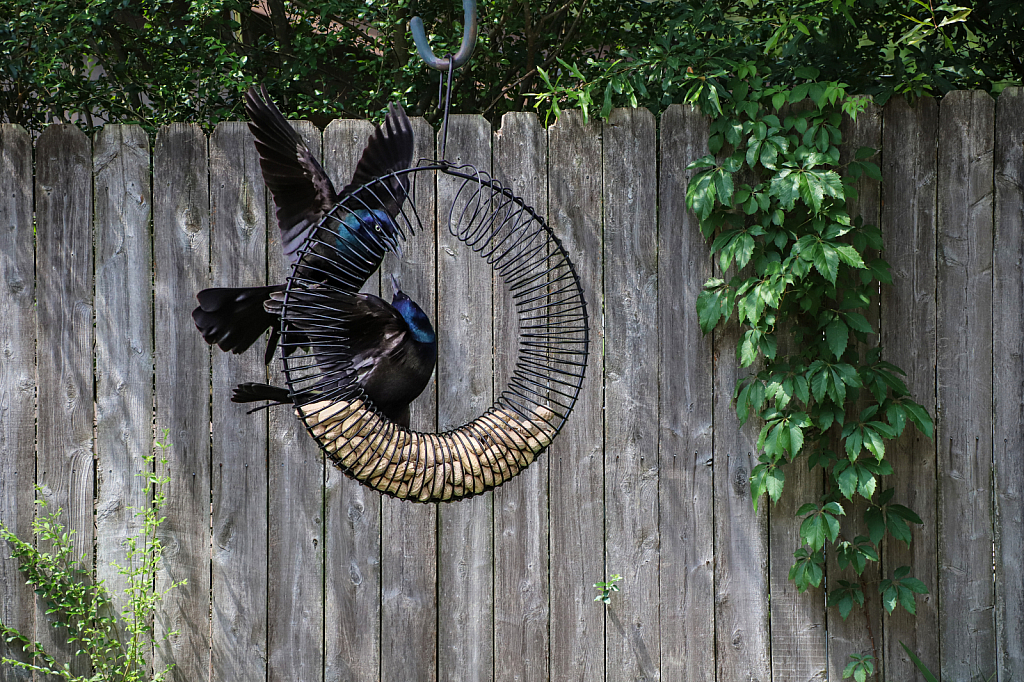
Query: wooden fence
{"points": [[297, 573]]}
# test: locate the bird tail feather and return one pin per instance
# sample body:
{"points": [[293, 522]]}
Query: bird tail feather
{"points": [[234, 318]]}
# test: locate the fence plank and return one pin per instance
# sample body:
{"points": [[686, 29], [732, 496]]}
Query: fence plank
{"points": [[64, 298], [908, 341], [17, 382], [295, 546], [238, 259], [856, 634], [631, 394], [464, 371], [351, 511], [1008, 381], [520, 509], [686, 493], [124, 343], [741, 534], [575, 459], [964, 399], [181, 263], [409, 531]]}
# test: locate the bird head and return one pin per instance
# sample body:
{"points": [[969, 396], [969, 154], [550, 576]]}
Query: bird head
{"points": [[413, 315], [375, 225]]}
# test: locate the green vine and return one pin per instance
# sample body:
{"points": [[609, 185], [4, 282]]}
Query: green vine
{"points": [[799, 276]]}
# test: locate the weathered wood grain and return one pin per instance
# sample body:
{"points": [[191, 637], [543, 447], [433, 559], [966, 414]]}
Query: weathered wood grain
{"points": [[295, 634], [1008, 381], [409, 531], [964, 392], [631, 394], [465, 609], [239, 473], [575, 458], [181, 264], [351, 511], [520, 508], [741, 534], [122, 202], [854, 634], [686, 493], [17, 382], [797, 619], [64, 338], [907, 338]]}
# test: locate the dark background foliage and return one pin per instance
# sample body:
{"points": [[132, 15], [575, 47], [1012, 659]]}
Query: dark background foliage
{"points": [[158, 61]]}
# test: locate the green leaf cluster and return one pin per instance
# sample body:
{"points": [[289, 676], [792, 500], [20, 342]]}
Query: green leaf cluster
{"points": [[115, 643]]}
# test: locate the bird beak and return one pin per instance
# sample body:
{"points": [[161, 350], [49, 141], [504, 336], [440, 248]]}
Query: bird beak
{"points": [[394, 286], [398, 247]]}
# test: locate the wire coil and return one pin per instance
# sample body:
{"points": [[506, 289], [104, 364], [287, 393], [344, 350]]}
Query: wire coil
{"points": [[552, 350]]}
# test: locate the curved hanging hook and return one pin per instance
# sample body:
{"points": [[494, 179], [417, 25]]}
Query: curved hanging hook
{"points": [[469, 33]]}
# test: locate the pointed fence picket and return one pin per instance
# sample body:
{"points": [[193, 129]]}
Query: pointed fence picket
{"points": [[295, 572]]}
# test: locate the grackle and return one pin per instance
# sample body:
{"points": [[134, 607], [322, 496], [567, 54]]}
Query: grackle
{"points": [[389, 350], [345, 246]]}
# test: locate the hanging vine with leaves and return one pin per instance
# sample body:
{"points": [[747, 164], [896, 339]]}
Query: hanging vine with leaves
{"points": [[772, 196]]}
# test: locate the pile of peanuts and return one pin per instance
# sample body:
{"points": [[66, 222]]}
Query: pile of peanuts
{"points": [[428, 467]]}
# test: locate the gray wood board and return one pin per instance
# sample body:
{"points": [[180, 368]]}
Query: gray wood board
{"points": [[64, 335], [408, 530], [17, 383], [122, 202], [1008, 381], [575, 458], [686, 492], [854, 634], [295, 475], [351, 510], [521, 507], [181, 263], [907, 338], [631, 394], [464, 371], [239, 472], [964, 393]]}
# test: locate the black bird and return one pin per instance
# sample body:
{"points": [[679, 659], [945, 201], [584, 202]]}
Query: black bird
{"points": [[389, 350], [351, 240]]}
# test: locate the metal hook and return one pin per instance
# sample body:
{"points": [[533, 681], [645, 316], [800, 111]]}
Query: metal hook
{"points": [[469, 33]]}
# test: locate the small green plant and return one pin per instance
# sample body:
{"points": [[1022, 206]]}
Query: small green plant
{"points": [[83, 606], [606, 588], [860, 667]]}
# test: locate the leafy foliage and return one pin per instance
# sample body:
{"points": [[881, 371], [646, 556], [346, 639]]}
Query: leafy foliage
{"points": [[84, 607], [606, 587], [161, 61]]}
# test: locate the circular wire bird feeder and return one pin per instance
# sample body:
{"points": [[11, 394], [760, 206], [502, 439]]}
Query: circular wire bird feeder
{"points": [[552, 350], [318, 328]]}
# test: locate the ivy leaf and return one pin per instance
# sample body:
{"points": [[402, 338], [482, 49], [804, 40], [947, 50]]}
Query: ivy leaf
{"points": [[865, 153], [826, 261], [847, 479], [837, 335], [785, 186], [858, 322], [700, 195], [724, 186], [920, 417], [811, 191], [850, 256]]}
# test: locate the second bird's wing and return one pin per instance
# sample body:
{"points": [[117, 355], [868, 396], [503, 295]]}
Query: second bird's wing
{"points": [[390, 149], [299, 185]]}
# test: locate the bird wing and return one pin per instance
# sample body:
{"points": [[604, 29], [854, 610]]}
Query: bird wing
{"points": [[347, 332], [390, 149], [299, 185]]}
